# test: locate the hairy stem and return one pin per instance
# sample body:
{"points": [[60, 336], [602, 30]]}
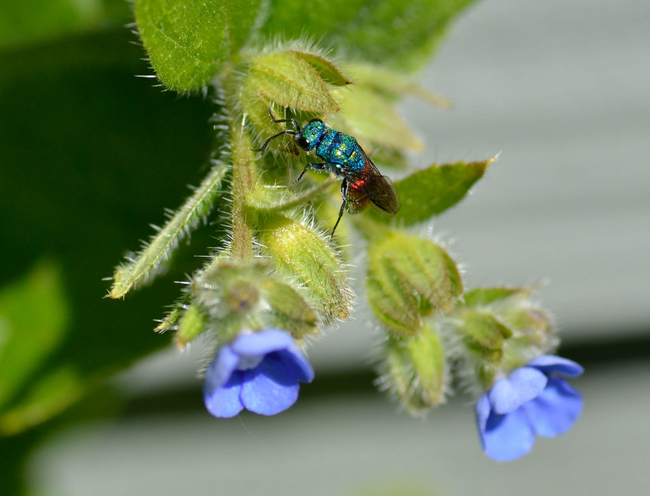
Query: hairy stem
{"points": [[244, 178]]}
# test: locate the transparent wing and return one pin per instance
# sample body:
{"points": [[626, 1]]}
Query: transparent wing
{"points": [[372, 184]]}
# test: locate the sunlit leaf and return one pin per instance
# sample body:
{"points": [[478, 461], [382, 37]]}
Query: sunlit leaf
{"points": [[433, 190]]}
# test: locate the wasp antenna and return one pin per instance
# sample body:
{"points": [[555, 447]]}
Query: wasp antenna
{"points": [[266, 143], [293, 122]]}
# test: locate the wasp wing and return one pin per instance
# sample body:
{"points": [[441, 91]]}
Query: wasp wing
{"points": [[375, 186]]}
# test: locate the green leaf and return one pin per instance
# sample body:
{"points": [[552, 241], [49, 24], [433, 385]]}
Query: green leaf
{"points": [[35, 21], [326, 69], [196, 207], [433, 190], [34, 314], [401, 33], [241, 16], [51, 395], [188, 41], [90, 156]]}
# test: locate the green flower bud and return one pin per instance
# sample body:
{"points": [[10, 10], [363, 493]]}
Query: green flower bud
{"points": [[482, 334], [408, 278], [192, 323], [288, 309], [299, 250], [416, 370], [230, 287], [501, 330], [287, 79]]}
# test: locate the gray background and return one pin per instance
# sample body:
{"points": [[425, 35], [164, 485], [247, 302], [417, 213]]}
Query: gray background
{"points": [[561, 90]]}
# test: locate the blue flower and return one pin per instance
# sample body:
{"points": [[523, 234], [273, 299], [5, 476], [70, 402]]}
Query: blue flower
{"points": [[259, 372], [531, 400]]}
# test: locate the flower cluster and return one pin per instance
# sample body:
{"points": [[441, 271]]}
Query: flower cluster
{"points": [[281, 273]]}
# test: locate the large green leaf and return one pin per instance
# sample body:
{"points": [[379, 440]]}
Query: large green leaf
{"points": [[188, 41], [90, 156], [23, 22], [394, 32], [433, 190], [34, 314]]}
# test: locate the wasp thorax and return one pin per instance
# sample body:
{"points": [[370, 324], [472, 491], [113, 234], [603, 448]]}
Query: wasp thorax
{"points": [[311, 135]]}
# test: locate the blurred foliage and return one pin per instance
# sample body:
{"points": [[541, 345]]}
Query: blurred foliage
{"points": [[90, 155]]}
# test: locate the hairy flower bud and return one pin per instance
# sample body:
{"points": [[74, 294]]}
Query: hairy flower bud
{"points": [[416, 370], [501, 330], [408, 278], [300, 251]]}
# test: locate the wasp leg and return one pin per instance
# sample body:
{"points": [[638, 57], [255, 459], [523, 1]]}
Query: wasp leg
{"points": [[344, 194], [307, 167]]}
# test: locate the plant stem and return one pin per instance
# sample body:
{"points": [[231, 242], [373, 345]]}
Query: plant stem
{"points": [[244, 178]]}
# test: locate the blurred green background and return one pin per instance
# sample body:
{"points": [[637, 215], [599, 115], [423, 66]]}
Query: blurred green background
{"points": [[90, 155]]}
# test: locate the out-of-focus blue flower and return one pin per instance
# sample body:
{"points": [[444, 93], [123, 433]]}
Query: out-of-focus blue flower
{"points": [[531, 400], [259, 372]]}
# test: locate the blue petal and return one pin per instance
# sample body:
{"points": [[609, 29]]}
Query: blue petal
{"points": [[520, 386], [555, 410], [221, 368], [261, 343], [224, 401], [507, 437], [550, 364], [293, 359], [270, 388]]}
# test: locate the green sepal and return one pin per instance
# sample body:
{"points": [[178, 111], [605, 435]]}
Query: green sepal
{"points": [[188, 41], [191, 324], [286, 79], [410, 277], [502, 330], [416, 370], [532, 330], [170, 321], [487, 296], [482, 334], [289, 310], [433, 190], [396, 83], [326, 69], [371, 118], [230, 288], [302, 252], [282, 199]]}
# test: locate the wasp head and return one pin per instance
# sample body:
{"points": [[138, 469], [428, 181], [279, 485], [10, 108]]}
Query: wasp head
{"points": [[311, 135]]}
